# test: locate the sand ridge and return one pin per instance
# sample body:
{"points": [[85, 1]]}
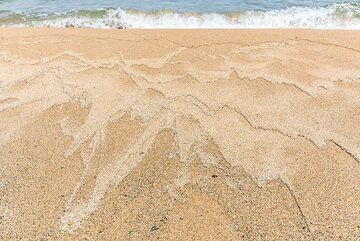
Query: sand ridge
{"points": [[138, 134]]}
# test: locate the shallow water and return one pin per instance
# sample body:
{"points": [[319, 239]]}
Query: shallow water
{"points": [[181, 14], [223, 6]]}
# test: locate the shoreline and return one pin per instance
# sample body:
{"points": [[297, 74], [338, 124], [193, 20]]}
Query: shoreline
{"points": [[333, 15]]}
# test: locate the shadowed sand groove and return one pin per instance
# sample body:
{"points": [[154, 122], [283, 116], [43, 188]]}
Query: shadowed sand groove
{"points": [[179, 135]]}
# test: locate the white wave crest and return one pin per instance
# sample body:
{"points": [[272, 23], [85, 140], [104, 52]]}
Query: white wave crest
{"points": [[336, 16]]}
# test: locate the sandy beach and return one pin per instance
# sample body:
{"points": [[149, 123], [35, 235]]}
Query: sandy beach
{"points": [[179, 134]]}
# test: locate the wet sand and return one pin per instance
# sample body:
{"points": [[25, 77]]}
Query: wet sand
{"points": [[179, 134]]}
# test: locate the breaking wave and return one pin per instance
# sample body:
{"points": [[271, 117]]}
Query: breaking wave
{"points": [[335, 16]]}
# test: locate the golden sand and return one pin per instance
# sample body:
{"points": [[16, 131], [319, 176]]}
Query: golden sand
{"points": [[179, 134]]}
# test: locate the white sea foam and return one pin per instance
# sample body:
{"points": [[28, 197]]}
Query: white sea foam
{"points": [[335, 16]]}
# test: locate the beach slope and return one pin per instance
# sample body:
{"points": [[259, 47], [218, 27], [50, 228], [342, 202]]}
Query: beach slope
{"points": [[179, 134]]}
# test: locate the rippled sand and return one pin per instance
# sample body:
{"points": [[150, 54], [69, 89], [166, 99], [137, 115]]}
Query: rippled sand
{"points": [[179, 135]]}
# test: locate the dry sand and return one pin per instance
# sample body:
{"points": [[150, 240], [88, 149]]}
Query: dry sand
{"points": [[179, 135]]}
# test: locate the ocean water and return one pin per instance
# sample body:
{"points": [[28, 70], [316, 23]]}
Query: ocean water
{"points": [[322, 14]]}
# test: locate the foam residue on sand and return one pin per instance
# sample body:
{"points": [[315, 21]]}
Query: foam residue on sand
{"points": [[271, 113]]}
